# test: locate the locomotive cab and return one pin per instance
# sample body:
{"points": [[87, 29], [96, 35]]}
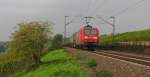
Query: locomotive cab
{"points": [[90, 37], [87, 38]]}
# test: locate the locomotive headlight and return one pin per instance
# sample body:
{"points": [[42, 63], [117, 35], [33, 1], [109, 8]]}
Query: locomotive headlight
{"points": [[86, 37], [95, 37]]}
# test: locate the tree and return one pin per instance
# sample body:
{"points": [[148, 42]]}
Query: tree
{"points": [[57, 41], [30, 38]]}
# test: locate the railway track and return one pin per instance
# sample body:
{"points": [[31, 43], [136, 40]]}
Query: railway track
{"points": [[139, 59], [130, 57]]}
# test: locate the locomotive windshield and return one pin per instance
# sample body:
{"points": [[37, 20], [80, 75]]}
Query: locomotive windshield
{"points": [[90, 31]]}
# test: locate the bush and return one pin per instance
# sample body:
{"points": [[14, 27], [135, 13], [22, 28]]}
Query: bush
{"points": [[57, 42], [30, 39]]}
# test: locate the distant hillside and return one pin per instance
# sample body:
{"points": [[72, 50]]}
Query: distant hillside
{"points": [[143, 35]]}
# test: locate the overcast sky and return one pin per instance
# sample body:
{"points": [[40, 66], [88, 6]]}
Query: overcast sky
{"points": [[130, 14]]}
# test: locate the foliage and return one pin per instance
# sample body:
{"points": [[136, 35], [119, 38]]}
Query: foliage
{"points": [[49, 44], [30, 38], [64, 68], [57, 41], [91, 63], [128, 36], [10, 63]]}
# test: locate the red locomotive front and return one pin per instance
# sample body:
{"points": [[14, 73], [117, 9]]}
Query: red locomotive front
{"points": [[86, 37]]}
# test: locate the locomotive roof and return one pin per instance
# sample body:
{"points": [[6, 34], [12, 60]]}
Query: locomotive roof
{"points": [[82, 27]]}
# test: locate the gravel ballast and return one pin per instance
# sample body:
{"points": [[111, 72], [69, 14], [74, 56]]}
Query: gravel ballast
{"points": [[119, 68]]}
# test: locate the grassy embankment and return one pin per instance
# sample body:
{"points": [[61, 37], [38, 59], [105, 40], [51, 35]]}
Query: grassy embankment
{"points": [[128, 36], [55, 64]]}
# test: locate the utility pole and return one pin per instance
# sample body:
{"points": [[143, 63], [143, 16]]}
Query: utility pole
{"points": [[65, 28], [113, 25]]}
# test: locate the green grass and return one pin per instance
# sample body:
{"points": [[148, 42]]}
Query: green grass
{"points": [[128, 36], [56, 55], [65, 67]]}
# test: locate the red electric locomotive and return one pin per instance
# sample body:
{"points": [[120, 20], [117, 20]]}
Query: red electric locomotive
{"points": [[87, 37]]}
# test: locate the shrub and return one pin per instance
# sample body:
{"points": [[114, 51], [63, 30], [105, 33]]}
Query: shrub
{"points": [[57, 41]]}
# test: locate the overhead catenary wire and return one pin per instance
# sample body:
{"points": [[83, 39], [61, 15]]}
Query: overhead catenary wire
{"points": [[84, 12], [129, 7], [123, 11], [96, 1], [87, 10], [81, 15], [88, 6], [99, 6], [140, 5]]}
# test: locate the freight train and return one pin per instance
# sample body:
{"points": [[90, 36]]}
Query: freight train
{"points": [[86, 38]]}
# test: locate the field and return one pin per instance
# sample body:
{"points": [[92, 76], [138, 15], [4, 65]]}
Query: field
{"points": [[55, 64], [128, 36]]}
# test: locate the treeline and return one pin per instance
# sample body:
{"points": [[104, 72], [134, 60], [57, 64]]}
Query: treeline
{"points": [[28, 43], [127, 36]]}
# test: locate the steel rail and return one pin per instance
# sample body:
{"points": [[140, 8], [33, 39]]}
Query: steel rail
{"points": [[131, 58]]}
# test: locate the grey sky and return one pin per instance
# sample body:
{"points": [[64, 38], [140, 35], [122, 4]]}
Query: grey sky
{"points": [[16, 11]]}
